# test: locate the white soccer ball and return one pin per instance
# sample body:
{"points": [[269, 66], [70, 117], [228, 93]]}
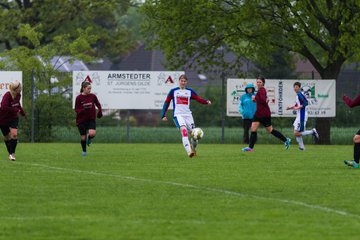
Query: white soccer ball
{"points": [[197, 133]]}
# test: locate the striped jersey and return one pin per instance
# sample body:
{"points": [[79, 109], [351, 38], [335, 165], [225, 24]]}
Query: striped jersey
{"points": [[301, 100], [181, 101]]}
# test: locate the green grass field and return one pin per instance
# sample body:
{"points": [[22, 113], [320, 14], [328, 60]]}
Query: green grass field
{"points": [[153, 191]]}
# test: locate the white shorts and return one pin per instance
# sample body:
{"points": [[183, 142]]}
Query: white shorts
{"points": [[298, 126], [184, 120]]}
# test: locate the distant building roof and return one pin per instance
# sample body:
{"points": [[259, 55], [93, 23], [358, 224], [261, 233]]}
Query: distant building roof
{"points": [[65, 65]]}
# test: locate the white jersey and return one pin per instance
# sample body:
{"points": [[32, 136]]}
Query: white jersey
{"points": [[301, 114], [181, 99]]}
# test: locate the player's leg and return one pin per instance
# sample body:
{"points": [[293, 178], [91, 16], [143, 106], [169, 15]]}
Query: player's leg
{"points": [[269, 128], [181, 124], [299, 139], [312, 132], [6, 133], [253, 136], [13, 138], [357, 147], [82, 131], [298, 133], [246, 127], [355, 163], [91, 126], [190, 124], [13, 143]]}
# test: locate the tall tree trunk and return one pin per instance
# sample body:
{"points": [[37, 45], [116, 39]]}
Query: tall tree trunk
{"points": [[323, 127]]}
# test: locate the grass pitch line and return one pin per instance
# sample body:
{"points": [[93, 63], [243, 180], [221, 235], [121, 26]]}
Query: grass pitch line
{"points": [[207, 189]]}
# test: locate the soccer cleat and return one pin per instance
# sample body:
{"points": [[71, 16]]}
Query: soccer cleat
{"points": [[193, 149], [315, 134], [83, 154], [191, 154], [302, 149], [287, 143], [248, 149], [11, 157], [351, 163]]}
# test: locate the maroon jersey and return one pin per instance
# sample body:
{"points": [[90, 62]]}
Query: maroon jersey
{"points": [[10, 107], [262, 107], [85, 107], [352, 103]]}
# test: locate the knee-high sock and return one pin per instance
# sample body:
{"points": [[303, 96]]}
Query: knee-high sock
{"points": [[308, 132], [356, 152], [185, 140], [83, 145], [301, 142], [253, 138], [279, 135], [7, 144], [186, 144], [13, 143]]}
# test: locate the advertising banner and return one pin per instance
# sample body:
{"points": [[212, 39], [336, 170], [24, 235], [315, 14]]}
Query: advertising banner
{"points": [[321, 95], [128, 89], [6, 77]]}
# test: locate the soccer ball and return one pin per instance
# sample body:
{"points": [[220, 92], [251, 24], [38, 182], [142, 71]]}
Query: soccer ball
{"points": [[197, 133]]}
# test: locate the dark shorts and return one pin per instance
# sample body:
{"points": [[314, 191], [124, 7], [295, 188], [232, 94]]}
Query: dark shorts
{"points": [[265, 121], [358, 132], [85, 126], [5, 129]]}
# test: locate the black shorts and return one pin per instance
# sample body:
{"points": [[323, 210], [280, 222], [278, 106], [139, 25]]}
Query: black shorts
{"points": [[265, 121], [5, 129], [85, 126]]}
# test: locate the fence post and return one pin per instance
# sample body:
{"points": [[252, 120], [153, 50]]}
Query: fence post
{"points": [[223, 107], [313, 119], [32, 117], [128, 126]]}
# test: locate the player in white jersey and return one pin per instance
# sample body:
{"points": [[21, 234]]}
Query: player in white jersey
{"points": [[181, 97], [301, 117]]}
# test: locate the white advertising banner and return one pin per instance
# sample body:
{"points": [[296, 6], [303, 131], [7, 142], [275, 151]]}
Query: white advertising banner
{"points": [[321, 95], [6, 77], [127, 89]]}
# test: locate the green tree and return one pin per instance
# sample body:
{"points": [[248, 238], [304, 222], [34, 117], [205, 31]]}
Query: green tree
{"points": [[36, 32], [326, 32]]}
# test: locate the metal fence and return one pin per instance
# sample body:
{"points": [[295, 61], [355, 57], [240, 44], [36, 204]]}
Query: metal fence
{"points": [[50, 117]]}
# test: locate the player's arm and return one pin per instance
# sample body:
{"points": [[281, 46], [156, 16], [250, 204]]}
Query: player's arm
{"points": [[199, 99], [303, 101], [98, 105], [241, 108], [290, 107], [21, 110], [78, 107], [352, 103], [166, 105]]}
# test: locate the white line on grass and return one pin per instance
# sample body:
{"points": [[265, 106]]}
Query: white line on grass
{"points": [[216, 190]]}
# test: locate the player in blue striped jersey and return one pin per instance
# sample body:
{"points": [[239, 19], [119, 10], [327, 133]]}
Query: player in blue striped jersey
{"points": [[181, 97], [301, 117]]}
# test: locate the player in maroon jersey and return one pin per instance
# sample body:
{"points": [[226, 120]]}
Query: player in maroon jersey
{"points": [[263, 116], [354, 163], [9, 120], [86, 114]]}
